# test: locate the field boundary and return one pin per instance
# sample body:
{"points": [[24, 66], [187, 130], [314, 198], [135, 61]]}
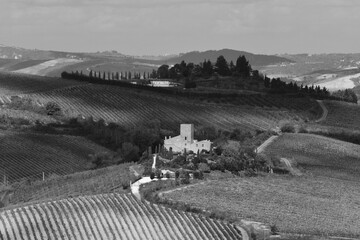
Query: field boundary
{"points": [[265, 144]]}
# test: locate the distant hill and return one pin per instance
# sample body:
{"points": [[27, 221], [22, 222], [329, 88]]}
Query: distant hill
{"points": [[229, 54], [10, 52]]}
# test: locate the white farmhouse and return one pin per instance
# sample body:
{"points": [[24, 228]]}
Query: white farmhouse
{"points": [[186, 141], [160, 83]]}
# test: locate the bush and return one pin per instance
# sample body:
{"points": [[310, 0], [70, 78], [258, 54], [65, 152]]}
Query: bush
{"points": [[186, 178], [177, 174], [203, 167], [198, 175], [167, 175], [158, 174], [52, 108], [100, 159], [274, 229], [288, 127], [152, 175], [129, 152]]}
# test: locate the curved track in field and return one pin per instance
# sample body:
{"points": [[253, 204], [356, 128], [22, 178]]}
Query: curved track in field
{"points": [[324, 113]]}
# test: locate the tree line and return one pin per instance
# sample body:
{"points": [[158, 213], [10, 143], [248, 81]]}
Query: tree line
{"points": [[240, 68]]}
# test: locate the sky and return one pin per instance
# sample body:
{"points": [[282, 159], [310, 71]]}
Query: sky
{"points": [[153, 27]]}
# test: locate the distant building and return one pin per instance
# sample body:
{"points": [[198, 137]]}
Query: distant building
{"points": [[186, 141], [162, 83]]}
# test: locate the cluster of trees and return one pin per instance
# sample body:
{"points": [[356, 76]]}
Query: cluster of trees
{"points": [[126, 75], [205, 69], [277, 86], [346, 95]]}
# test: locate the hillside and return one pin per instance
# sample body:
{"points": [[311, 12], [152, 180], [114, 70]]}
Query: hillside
{"points": [[333, 71], [12, 84], [28, 155], [323, 201], [108, 216], [230, 55], [131, 107], [109, 179], [342, 115]]}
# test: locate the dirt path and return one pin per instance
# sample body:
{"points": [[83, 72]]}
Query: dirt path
{"points": [[325, 111], [263, 146]]}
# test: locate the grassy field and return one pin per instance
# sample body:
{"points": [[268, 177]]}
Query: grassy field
{"points": [[29, 154], [324, 200], [343, 115]]}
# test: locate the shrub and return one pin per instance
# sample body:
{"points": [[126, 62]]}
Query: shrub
{"points": [[198, 175], [177, 174], [274, 229], [129, 152], [303, 129], [167, 175], [203, 167], [100, 159], [158, 174], [52, 108], [186, 178], [288, 127], [152, 175]]}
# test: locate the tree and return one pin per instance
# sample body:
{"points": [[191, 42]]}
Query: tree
{"points": [[189, 83], [242, 66], [163, 71], [222, 66], [207, 68], [129, 152], [153, 74], [232, 66]]}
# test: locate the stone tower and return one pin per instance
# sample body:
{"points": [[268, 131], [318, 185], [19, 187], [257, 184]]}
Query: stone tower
{"points": [[187, 132]]}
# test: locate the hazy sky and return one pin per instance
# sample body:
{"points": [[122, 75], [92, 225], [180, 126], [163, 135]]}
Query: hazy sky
{"points": [[173, 26]]}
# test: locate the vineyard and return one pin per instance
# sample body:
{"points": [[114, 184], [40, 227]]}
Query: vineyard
{"points": [[104, 180], [323, 201], [108, 216], [29, 154], [15, 84], [131, 107]]}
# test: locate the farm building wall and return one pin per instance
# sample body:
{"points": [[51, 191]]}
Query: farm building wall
{"points": [[186, 141]]}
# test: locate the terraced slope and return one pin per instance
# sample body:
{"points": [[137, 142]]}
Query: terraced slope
{"points": [[131, 107], [29, 154], [109, 216]]}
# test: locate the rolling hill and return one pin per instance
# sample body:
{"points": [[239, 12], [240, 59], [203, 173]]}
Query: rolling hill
{"points": [[131, 107], [13, 84], [52, 63], [28, 155], [108, 216], [230, 55], [323, 201]]}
